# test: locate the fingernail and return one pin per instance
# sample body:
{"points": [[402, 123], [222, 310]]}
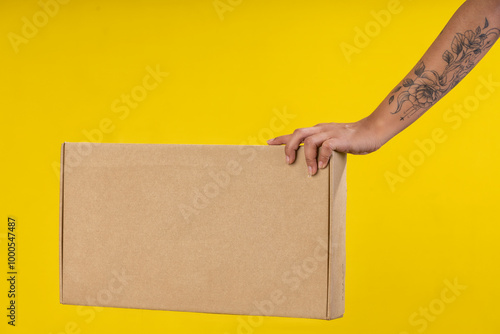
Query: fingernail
{"points": [[309, 171], [287, 159], [321, 164], [270, 140]]}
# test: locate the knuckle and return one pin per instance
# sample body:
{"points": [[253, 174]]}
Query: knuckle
{"points": [[290, 151], [309, 141], [329, 144], [323, 155], [310, 161]]}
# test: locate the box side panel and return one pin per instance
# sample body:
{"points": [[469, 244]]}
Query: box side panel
{"points": [[200, 228], [61, 219], [337, 256]]}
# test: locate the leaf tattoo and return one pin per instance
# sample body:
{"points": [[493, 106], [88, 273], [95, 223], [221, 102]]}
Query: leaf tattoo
{"points": [[407, 82], [429, 86], [420, 68], [447, 57], [396, 89], [456, 44]]}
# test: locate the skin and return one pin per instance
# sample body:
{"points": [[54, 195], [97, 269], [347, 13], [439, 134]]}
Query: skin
{"points": [[464, 41]]}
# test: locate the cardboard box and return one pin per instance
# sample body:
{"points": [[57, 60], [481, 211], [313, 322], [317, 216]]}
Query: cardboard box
{"points": [[201, 228]]}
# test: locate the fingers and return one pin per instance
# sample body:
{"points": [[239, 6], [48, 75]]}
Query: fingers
{"points": [[293, 141], [318, 146], [325, 152], [296, 138], [311, 145], [279, 140]]}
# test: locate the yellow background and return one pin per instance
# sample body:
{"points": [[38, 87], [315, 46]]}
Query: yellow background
{"points": [[226, 80]]}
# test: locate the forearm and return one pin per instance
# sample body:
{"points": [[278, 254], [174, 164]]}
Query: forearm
{"points": [[461, 45], [464, 41]]}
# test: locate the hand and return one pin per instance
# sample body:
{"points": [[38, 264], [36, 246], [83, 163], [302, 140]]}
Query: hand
{"points": [[356, 138]]}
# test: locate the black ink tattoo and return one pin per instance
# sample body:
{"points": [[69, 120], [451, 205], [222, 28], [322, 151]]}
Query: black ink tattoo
{"points": [[428, 87]]}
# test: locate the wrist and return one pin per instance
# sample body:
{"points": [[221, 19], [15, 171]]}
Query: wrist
{"points": [[378, 128]]}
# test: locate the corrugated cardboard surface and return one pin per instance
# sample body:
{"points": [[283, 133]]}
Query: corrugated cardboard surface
{"points": [[201, 228]]}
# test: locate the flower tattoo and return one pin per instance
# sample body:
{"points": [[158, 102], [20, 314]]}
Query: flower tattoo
{"points": [[429, 86]]}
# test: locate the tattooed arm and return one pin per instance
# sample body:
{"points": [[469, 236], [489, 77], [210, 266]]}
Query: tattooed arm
{"points": [[467, 37]]}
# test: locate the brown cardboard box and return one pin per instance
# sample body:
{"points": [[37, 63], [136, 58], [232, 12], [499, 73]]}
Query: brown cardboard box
{"points": [[201, 228]]}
